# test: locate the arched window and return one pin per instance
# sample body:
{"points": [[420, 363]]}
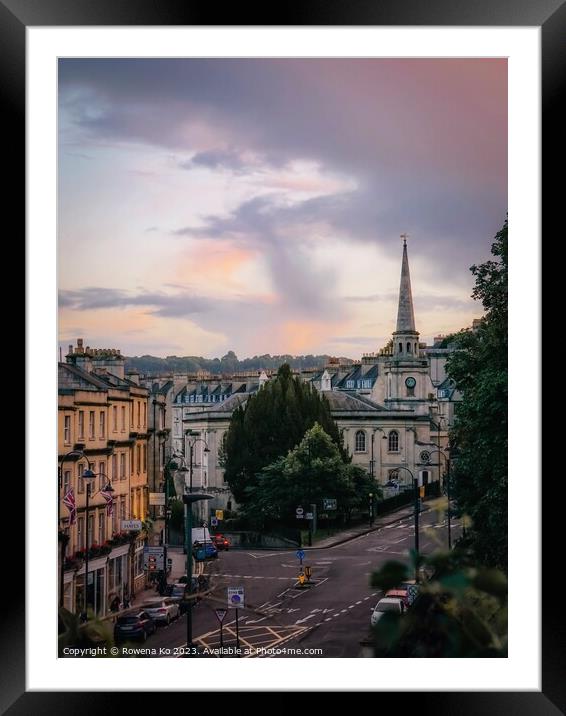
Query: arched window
{"points": [[360, 441], [393, 441], [416, 350], [408, 347], [400, 347]]}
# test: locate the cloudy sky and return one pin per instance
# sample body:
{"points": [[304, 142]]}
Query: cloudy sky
{"points": [[256, 204]]}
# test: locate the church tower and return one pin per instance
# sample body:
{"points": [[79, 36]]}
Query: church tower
{"points": [[406, 337], [406, 372]]}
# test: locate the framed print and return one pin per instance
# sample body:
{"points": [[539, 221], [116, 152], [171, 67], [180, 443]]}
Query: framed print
{"points": [[271, 146]]}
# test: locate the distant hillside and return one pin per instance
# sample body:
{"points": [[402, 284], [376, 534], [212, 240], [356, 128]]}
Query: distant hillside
{"points": [[227, 364]]}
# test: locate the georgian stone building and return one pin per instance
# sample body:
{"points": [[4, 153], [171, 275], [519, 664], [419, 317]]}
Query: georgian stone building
{"points": [[393, 408], [102, 426]]}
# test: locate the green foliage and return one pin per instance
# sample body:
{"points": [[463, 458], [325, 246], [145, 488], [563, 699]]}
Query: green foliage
{"points": [[72, 633], [479, 437], [313, 470], [460, 612], [273, 421]]}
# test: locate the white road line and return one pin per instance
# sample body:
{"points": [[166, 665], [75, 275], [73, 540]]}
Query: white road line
{"points": [[304, 619], [351, 606], [328, 619], [359, 602]]}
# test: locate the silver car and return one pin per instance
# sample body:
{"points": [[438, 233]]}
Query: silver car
{"points": [[162, 610], [387, 604]]}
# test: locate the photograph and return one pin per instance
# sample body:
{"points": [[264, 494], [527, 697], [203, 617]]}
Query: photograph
{"points": [[282, 375], [280, 353]]}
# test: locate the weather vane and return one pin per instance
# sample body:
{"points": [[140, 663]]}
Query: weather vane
{"points": [[404, 237]]}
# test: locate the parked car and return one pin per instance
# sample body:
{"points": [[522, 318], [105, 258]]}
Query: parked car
{"points": [[162, 610], [401, 593], [210, 551], [221, 542], [387, 604], [179, 593], [136, 625]]}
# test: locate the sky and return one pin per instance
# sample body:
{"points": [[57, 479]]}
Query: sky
{"points": [[256, 205]]}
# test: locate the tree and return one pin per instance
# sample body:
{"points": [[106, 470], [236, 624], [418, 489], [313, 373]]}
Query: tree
{"points": [[272, 422], [313, 470], [479, 436], [460, 612]]}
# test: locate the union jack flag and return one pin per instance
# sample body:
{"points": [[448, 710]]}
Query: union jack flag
{"points": [[69, 502], [109, 502]]}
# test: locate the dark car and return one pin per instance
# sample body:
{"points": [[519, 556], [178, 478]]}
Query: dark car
{"points": [[136, 625], [221, 542]]}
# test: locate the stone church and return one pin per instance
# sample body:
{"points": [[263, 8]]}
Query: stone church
{"points": [[393, 408]]}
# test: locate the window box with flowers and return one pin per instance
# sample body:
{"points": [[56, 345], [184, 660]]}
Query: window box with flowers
{"points": [[99, 550]]}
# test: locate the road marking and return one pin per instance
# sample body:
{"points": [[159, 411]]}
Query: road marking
{"points": [[304, 619], [351, 606], [261, 556], [359, 602], [328, 619]]}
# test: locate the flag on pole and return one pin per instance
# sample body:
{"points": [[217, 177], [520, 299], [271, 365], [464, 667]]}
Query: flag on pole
{"points": [[109, 502], [70, 504]]}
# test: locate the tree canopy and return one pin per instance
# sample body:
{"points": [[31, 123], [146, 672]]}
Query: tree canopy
{"points": [[272, 422], [313, 470], [479, 436]]}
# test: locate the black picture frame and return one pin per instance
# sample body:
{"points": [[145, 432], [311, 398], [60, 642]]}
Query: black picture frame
{"points": [[17, 15]]}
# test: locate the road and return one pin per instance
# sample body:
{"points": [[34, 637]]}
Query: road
{"points": [[331, 614]]}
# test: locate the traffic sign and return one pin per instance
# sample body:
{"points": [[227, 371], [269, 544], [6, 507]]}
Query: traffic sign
{"points": [[308, 571], [236, 597], [219, 515], [213, 522], [220, 614], [299, 512], [309, 516], [300, 554], [153, 557]]}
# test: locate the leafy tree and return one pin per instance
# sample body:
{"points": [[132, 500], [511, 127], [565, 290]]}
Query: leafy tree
{"points": [[479, 437], [313, 470], [272, 422], [460, 612]]}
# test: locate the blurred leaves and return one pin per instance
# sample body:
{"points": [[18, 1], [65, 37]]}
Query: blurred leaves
{"points": [[461, 611]]}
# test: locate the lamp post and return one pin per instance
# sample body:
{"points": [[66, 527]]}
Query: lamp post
{"points": [[417, 509], [437, 427], [447, 483], [63, 538], [89, 475], [370, 509], [192, 443], [189, 499]]}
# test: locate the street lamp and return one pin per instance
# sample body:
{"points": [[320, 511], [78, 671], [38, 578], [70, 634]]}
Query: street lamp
{"points": [[167, 510], [189, 499], [437, 427], [417, 507], [447, 483], [370, 509], [192, 444], [63, 538], [89, 475]]}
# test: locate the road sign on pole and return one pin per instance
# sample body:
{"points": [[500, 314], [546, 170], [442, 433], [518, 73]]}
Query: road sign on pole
{"points": [[220, 614], [213, 522], [300, 555], [236, 597], [299, 513]]}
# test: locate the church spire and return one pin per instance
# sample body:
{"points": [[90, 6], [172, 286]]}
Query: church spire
{"points": [[405, 314]]}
